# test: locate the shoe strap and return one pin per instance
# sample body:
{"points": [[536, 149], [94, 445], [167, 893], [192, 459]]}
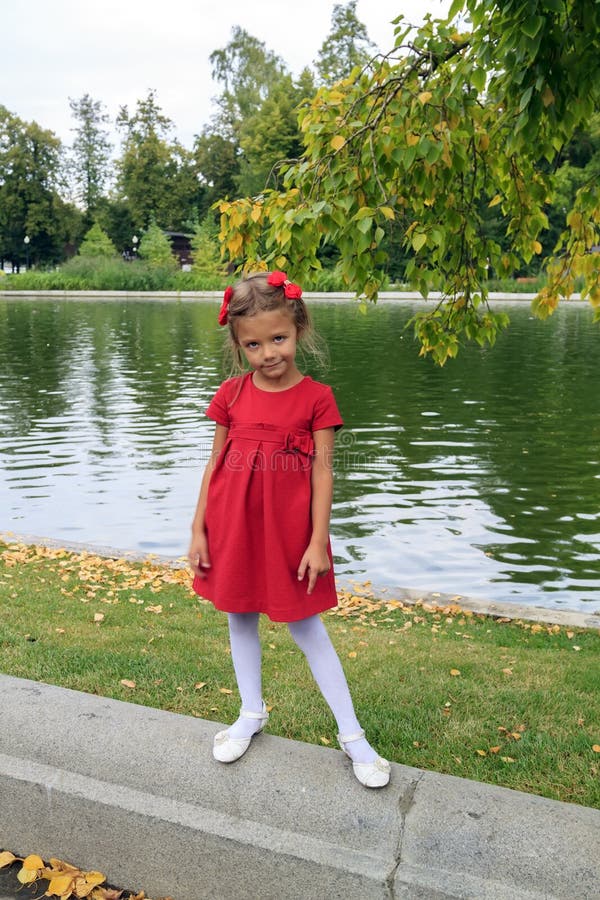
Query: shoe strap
{"points": [[348, 738], [248, 714]]}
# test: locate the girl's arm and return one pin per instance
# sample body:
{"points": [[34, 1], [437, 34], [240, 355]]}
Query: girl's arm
{"points": [[315, 561], [198, 552]]}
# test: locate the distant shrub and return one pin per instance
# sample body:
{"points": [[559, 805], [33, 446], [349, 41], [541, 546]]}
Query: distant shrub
{"points": [[155, 250], [97, 243]]}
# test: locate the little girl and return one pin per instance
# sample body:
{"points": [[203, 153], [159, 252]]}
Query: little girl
{"points": [[260, 534]]}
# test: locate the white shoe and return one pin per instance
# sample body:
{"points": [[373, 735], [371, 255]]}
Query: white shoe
{"points": [[375, 774], [227, 749]]}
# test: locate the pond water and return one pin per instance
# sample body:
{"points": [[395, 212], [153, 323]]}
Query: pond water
{"points": [[481, 478]]}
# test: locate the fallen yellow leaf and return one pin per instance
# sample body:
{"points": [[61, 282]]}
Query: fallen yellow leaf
{"points": [[60, 886], [200, 684], [494, 749], [7, 858], [325, 741], [98, 617], [27, 876], [353, 654], [225, 691], [596, 748], [455, 672], [128, 684], [33, 861], [481, 752]]}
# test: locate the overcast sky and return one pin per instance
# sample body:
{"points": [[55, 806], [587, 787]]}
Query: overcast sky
{"points": [[115, 50]]}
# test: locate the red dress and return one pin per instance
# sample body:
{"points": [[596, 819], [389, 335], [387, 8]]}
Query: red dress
{"points": [[258, 514]]}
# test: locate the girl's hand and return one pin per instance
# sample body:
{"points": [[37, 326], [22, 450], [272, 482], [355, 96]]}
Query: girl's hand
{"points": [[316, 562], [198, 554]]}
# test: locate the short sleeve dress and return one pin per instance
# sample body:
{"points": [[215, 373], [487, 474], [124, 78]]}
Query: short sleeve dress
{"points": [[258, 514]]}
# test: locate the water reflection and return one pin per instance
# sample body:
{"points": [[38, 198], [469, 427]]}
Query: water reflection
{"points": [[482, 478]]}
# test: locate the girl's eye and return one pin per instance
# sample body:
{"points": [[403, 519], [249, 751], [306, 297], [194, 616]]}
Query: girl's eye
{"points": [[251, 345], [279, 338]]}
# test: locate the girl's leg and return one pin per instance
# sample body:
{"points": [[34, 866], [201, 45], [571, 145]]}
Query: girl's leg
{"points": [[314, 641], [246, 658]]}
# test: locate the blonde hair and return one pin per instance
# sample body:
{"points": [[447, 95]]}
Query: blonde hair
{"points": [[253, 295]]}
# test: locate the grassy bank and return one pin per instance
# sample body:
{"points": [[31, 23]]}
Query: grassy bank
{"points": [[508, 703], [97, 274]]}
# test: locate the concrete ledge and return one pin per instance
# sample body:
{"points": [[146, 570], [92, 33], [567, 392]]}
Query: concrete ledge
{"points": [[135, 793]]}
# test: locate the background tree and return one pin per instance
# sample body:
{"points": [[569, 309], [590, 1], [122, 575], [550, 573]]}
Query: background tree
{"points": [[348, 45], [246, 70], [90, 154], [154, 171], [31, 164], [449, 123], [271, 134]]}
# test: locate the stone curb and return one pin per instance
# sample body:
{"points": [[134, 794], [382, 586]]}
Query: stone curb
{"points": [[134, 792], [492, 608], [434, 296]]}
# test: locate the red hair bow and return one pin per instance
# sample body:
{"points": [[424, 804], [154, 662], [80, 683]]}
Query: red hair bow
{"points": [[224, 311], [279, 279]]}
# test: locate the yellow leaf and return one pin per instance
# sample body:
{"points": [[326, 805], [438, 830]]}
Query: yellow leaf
{"points": [[537, 247], [547, 96], [507, 759], [419, 239], [570, 634], [497, 199], [353, 654], [481, 752], [325, 741], [337, 142], [98, 617], [412, 139], [6, 858], [225, 691], [27, 876], [33, 861], [60, 886], [455, 672], [494, 749], [128, 684], [425, 97], [484, 142], [199, 685], [507, 671], [256, 212], [596, 748], [154, 609], [388, 212]]}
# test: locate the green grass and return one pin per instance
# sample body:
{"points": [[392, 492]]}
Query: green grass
{"points": [[526, 697]]}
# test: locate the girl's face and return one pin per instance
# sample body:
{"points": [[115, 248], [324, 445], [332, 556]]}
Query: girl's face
{"points": [[268, 341]]}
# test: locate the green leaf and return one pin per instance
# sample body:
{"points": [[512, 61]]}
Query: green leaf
{"points": [[478, 79], [531, 26]]}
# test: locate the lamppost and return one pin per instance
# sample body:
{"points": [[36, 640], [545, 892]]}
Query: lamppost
{"points": [[26, 240], [134, 241]]}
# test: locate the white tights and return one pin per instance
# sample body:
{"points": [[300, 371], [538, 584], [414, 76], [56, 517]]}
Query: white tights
{"points": [[314, 641]]}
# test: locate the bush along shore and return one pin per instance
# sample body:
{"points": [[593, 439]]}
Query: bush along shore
{"points": [[508, 702], [100, 274]]}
